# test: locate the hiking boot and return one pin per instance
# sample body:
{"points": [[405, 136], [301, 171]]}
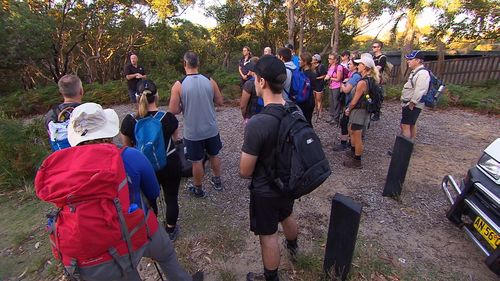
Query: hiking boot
{"points": [[251, 276], [349, 153], [198, 276], [353, 163], [216, 183], [174, 234], [389, 152], [341, 147], [197, 192]]}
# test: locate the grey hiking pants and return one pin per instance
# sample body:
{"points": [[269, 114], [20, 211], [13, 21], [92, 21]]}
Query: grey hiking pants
{"points": [[159, 249], [334, 106]]}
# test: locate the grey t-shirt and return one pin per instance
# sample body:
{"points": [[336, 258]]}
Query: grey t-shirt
{"points": [[197, 97]]}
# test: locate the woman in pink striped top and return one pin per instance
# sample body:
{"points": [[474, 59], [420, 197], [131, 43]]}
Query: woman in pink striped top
{"points": [[334, 80]]}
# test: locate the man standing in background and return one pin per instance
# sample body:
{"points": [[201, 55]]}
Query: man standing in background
{"points": [[134, 73], [379, 58], [195, 96], [413, 90]]}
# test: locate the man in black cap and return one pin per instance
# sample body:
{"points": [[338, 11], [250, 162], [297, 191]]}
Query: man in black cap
{"points": [[267, 206], [416, 86]]}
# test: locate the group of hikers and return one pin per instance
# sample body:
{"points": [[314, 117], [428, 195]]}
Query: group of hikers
{"points": [[106, 194]]}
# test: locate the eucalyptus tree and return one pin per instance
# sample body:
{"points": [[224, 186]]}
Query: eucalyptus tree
{"points": [[229, 17]]}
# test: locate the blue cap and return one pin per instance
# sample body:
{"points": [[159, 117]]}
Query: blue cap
{"points": [[415, 55]]}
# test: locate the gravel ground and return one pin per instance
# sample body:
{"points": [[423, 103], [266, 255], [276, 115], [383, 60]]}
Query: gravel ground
{"points": [[411, 233]]}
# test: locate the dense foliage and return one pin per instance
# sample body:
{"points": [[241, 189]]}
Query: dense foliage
{"points": [[43, 40]]}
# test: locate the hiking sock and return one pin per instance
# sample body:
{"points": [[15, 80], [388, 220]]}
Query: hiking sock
{"points": [[357, 157], [292, 247], [291, 244], [271, 275]]}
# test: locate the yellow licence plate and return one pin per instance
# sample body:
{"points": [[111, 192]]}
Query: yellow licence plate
{"points": [[487, 232]]}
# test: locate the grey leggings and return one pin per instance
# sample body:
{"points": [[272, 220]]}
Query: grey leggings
{"points": [[334, 103], [159, 249]]}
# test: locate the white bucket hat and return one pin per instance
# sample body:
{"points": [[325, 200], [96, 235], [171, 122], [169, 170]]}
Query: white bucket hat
{"points": [[367, 60], [90, 122]]}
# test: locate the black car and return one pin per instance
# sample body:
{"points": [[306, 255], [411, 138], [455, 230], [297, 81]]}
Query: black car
{"points": [[476, 206]]}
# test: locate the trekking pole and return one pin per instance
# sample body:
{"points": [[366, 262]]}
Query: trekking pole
{"points": [[159, 271]]}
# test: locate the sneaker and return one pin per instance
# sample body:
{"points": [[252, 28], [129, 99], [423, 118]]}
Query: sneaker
{"points": [[389, 152], [216, 183], [174, 234], [251, 276], [353, 163], [340, 147], [197, 192], [198, 276]]}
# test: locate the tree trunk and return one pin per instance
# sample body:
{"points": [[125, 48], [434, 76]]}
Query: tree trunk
{"points": [[290, 14], [225, 63], [336, 26], [440, 63], [409, 36], [301, 32]]}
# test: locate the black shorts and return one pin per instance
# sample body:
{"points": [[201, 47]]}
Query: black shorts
{"points": [[267, 212], [410, 116], [196, 149]]}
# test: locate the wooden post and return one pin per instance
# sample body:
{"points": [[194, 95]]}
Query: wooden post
{"points": [[345, 216], [401, 154]]}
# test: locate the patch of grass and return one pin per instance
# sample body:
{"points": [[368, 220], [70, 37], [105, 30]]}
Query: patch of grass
{"points": [[204, 240], [22, 149], [479, 96], [310, 264], [22, 228], [371, 260], [226, 275]]}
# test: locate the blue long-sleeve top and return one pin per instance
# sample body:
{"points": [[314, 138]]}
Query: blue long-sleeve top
{"points": [[141, 176]]}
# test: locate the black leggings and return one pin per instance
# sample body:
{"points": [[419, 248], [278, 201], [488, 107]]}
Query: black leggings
{"points": [[170, 179], [307, 108], [344, 123]]}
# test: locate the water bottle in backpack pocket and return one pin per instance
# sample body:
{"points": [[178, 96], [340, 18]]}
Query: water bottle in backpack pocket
{"points": [[149, 139]]}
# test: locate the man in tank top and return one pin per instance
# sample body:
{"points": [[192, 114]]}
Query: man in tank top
{"points": [[195, 96]]}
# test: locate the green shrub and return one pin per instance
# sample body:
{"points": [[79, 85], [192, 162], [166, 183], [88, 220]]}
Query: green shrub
{"points": [[480, 96], [22, 149]]}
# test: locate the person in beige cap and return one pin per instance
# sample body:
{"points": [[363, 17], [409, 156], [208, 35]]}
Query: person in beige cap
{"points": [[356, 110], [90, 133]]}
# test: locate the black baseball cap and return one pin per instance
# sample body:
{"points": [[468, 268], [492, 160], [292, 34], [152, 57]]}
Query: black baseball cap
{"points": [[270, 68], [146, 86], [289, 46]]}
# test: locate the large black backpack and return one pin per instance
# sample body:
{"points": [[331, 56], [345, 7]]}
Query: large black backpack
{"points": [[300, 163], [376, 97]]}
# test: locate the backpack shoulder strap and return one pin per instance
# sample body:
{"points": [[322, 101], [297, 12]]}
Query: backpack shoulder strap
{"points": [[415, 73], [61, 117], [159, 115]]}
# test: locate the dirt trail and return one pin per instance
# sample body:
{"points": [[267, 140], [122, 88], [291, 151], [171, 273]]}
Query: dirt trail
{"points": [[410, 234]]}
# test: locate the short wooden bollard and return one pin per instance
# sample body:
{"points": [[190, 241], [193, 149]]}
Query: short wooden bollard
{"points": [[342, 232], [401, 154]]}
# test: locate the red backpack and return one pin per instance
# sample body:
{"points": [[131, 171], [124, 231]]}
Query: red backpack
{"points": [[92, 225]]}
